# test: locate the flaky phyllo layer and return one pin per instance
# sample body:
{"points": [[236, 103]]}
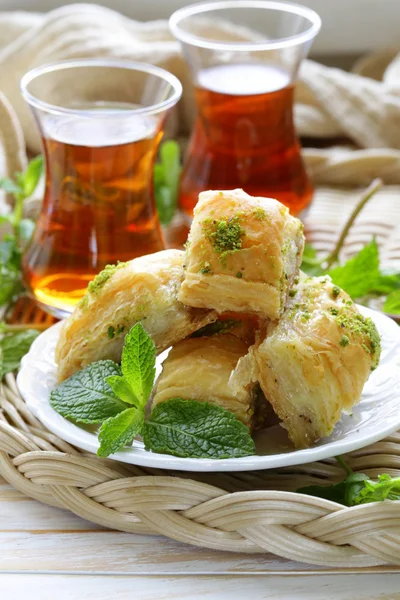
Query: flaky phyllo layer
{"points": [[200, 368], [314, 362], [243, 254], [144, 289]]}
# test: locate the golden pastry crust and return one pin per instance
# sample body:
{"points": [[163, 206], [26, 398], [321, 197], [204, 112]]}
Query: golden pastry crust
{"points": [[313, 364], [243, 254], [200, 368], [144, 289]]}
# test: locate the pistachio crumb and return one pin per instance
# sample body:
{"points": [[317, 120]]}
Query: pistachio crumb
{"points": [[345, 341]]}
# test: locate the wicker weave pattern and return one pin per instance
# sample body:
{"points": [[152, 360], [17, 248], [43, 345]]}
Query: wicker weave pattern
{"points": [[241, 512]]}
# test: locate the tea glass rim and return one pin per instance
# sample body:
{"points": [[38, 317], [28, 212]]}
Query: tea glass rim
{"points": [[203, 7], [57, 109]]}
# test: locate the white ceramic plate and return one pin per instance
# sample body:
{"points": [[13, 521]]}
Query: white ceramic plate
{"points": [[376, 416]]}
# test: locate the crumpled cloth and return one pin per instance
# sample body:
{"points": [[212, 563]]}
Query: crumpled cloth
{"points": [[329, 102], [363, 107]]}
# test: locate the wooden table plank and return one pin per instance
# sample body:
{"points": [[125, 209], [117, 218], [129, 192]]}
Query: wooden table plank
{"points": [[331, 587]]}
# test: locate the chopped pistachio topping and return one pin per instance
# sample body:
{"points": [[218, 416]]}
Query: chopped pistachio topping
{"points": [[206, 269], [345, 341], [102, 277], [259, 213], [111, 332], [225, 235], [292, 293], [239, 275], [335, 291], [362, 326]]}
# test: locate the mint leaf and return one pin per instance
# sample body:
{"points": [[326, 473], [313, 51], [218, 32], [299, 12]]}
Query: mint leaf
{"points": [[310, 264], [30, 178], [358, 275], [138, 363], [119, 431], [385, 488], [122, 389], [86, 397], [189, 428], [392, 303], [13, 347], [346, 492], [166, 181], [25, 229], [10, 186]]}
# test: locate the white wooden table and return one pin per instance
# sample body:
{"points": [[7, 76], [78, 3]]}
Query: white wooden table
{"points": [[50, 554]]}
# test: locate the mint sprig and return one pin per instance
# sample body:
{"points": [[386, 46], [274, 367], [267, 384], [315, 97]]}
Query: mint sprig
{"points": [[86, 397], [117, 396], [13, 346], [13, 244], [361, 276], [188, 428], [356, 488], [166, 181], [119, 431]]}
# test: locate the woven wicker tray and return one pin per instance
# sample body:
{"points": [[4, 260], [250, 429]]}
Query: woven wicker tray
{"points": [[256, 512]]}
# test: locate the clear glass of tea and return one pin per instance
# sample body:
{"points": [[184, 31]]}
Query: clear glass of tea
{"points": [[101, 122], [244, 56]]}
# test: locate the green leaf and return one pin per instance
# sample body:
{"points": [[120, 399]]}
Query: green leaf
{"points": [[346, 492], [360, 274], [310, 264], [138, 363], [13, 347], [166, 181], [119, 431], [86, 397], [122, 389], [216, 328], [392, 303], [189, 428], [10, 284], [165, 204], [170, 159], [31, 177], [10, 186], [26, 228], [385, 488]]}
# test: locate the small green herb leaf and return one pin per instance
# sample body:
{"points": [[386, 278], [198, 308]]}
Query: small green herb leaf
{"points": [[392, 303], [10, 186], [166, 181], [30, 178], [385, 488], [13, 347], [138, 363], [356, 489], [361, 274], [86, 397], [189, 428], [122, 389], [119, 431], [311, 265], [25, 229]]}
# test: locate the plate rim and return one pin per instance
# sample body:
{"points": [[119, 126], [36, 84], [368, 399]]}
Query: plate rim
{"points": [[137, 455]]}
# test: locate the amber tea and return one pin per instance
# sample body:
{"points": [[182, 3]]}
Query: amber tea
{"points": [[101, 121], [244, 137]]}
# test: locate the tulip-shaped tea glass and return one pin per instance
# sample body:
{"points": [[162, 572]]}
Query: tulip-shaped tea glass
{"points": [[244, 57], [101, 122]]}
